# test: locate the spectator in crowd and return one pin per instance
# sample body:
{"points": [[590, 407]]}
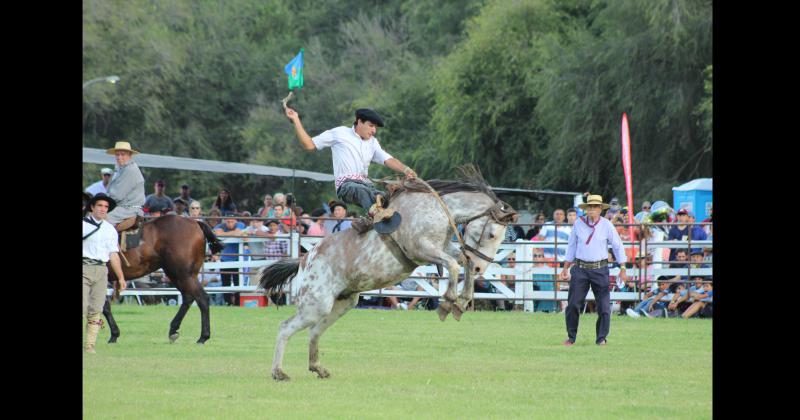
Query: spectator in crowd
{"points": [[316, 228], [158, 199], [536, 228], [640, 217], [86, 198], [267, 208], [230, 227], [614, 208], [180, 207], [651, 300], [285, 217], [700, 301], [126, 187], [678, 303], [214, 218], [157, 211], [550, 231], [337, 223], [101, 185], [708, 253], [256, 229], [196, 210], [683, 232], [224, 202], [185, 190], [707, 228], [681, 259], [628, 286], [279, 199], [543, 282], [277, 246], [211, 279]]}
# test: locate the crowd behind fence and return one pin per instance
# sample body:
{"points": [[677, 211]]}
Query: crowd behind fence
{"points": [[522, 280]]}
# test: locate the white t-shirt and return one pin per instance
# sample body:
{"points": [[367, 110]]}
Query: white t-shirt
{"points": [[351, 154], [97, 187], [101, 243]]}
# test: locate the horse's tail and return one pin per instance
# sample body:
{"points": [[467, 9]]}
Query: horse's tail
{"points": [[273, 277], [213, 242]]}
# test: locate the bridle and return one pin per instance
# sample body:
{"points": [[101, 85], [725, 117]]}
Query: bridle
{"points": [[496, 213]]}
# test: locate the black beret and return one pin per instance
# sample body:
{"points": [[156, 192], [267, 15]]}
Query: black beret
{"points": [[102, 196], [366, 114]]}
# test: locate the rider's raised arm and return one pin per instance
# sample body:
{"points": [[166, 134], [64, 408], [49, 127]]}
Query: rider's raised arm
{"points": [[305, 139]]}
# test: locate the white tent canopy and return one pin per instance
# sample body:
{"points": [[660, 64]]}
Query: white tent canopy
{"points": [[145, 160], [703, 184]]}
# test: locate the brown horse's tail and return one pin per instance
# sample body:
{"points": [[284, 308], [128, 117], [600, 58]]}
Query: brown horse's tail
{"points": [[273, 277], [213, 242]]}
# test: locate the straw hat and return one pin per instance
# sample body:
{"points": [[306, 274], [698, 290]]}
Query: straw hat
{"points": [[594, 199], [121, 145]]}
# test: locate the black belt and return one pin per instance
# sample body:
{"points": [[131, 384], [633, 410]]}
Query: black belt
{"points": [[592, 265], [89, 261]]}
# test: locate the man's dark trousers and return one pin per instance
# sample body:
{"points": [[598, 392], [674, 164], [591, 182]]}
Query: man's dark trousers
{"points": [[578, 288]]}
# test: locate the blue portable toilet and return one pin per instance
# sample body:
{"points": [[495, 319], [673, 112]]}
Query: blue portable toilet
{"points": [[695, 196]]}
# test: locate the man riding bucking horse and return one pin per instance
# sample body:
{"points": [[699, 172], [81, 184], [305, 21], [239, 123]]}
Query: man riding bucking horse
{"points": [[353, 148]]}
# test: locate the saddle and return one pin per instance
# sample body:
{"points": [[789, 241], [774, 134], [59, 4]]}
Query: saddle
{"points": [[129, 232]]}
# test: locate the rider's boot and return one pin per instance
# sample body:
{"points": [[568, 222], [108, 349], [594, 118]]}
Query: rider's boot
{"points": [[378, 212], [93, 325]]}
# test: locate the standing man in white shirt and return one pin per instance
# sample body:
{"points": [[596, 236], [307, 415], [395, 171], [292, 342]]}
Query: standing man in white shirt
{"points": [[102, 185], [99, 248], [353, 148], [588, 250]]}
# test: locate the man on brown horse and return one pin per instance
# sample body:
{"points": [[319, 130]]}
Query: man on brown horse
{"points": [[126, 187], [352, 149]]}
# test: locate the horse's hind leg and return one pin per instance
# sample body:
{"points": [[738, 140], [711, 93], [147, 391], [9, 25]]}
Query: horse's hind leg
{"points": [[311, 309], [111, 323], [176, 322], [205, 323], [340, 307]]}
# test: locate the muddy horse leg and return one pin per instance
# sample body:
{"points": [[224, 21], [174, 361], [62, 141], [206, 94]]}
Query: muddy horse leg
{"points": [[111, 323], [340, 307], [310, 311], [175, 325]]}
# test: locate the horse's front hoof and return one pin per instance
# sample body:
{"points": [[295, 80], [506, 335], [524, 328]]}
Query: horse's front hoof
{"points": [[443, 310], [173, 337], [278, 375], [113, 339], [457, 313], [322, 373]]}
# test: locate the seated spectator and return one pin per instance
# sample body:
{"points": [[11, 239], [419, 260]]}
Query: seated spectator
{"points": [[681, 260], [180, 207], [195, 210], [224, 202], [678, 303], [316, 227], [629, 286], [212, 279], [700, 301], [230, 227], [651, 300], [337, 222]]}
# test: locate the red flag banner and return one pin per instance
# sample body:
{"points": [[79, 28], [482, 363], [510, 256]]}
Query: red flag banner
{"points": [[626, 167]]}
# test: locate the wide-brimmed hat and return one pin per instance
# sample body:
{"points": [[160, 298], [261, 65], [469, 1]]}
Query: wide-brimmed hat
{"points": [[121, 145], [594, 200], [102, 196]]}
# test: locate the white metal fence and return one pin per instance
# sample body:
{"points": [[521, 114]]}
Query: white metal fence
{"points": [[510, 283]]}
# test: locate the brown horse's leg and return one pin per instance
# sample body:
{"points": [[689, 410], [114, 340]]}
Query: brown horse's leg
{"points": [[111, 323], [340, 307], [176, 322], [205, 323]]}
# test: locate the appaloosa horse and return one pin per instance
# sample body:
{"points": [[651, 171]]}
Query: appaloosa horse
{"points": [[177, 245], [334, 272]]}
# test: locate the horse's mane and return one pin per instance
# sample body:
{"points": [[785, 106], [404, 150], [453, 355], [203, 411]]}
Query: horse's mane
{"points": [[471, 180]]}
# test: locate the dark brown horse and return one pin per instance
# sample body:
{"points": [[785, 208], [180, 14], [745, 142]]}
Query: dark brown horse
{"points": [[178, 246]]}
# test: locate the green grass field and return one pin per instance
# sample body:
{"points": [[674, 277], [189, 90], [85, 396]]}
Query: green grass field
{"points": [[400, 364]]}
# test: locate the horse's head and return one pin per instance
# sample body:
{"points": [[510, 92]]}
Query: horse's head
{"points": [[484, 234]]}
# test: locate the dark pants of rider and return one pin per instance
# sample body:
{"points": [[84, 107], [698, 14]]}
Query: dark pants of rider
{"points": [[579, 285], [358, 193], [230, 279]]}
